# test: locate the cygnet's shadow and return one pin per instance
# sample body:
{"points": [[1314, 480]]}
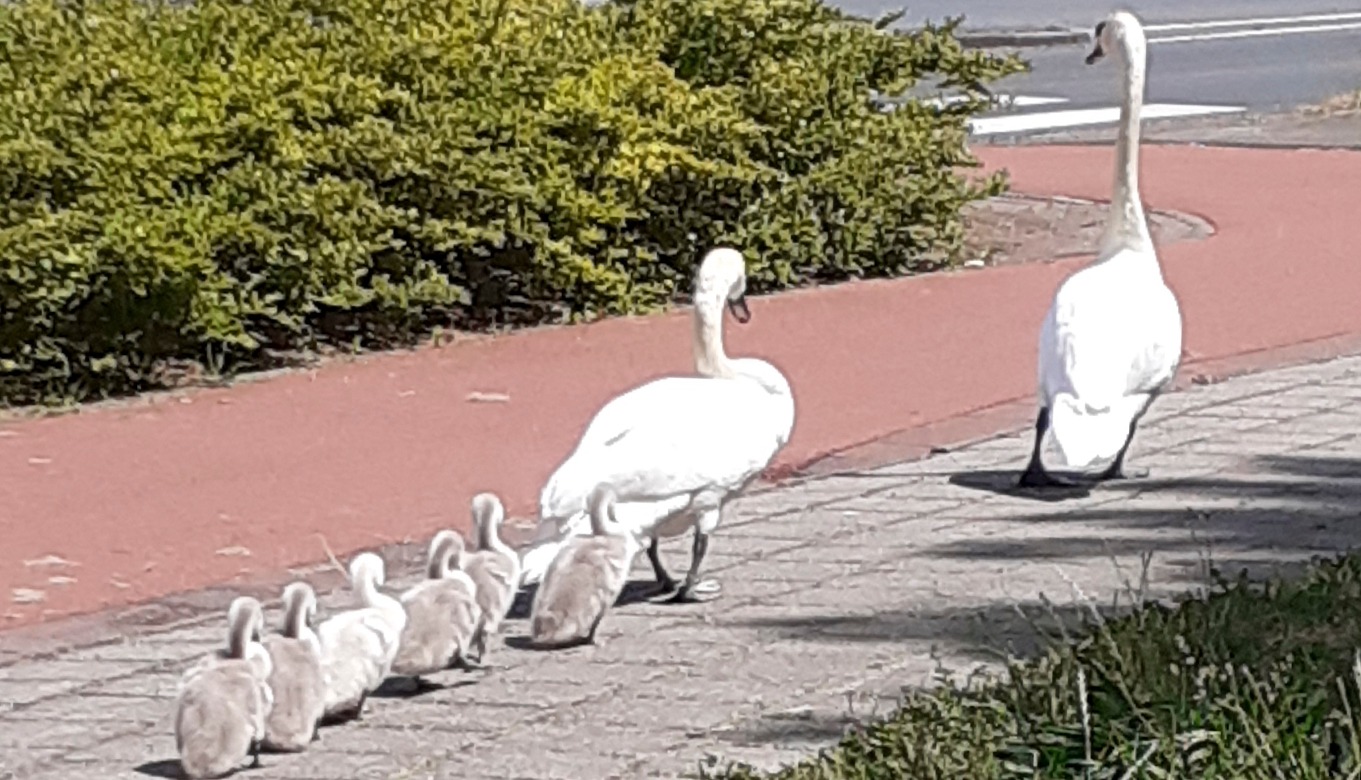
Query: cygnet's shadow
{"points": [[635, 592], [408, 688], [1003, 483], [166, 767], [525, 643]]}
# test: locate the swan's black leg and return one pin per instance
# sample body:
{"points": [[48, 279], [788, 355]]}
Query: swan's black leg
{"points": [[1117, 469], [255, 754], [693, 590], [1035, 475], [665, 583], [590, 636], [465, 664]]}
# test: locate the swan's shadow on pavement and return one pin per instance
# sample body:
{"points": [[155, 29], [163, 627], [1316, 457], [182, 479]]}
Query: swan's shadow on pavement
{"points": [[1003, 482]]}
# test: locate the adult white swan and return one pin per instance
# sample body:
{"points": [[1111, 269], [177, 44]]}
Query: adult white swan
{"points": [[1112, 340], [676, 449]]}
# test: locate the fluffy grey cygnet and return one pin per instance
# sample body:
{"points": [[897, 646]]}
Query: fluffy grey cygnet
{"points": [[442, 615], [224, 700], [296, 682], [584, 579], [494, 568], [358, 646]]}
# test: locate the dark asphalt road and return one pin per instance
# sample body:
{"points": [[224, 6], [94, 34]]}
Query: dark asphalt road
{"points": [[1262, 74], [1261, 55], [1039, 14]]}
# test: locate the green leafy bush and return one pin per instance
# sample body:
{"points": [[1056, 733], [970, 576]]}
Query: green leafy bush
{"points": [[1252, 683], [232, 182]]}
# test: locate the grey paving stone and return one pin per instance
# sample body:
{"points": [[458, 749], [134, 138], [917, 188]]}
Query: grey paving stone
{"points": [[20, 733], [101, 708], [128, 750], [206, 637], [19, 693], [78, 671], [900, 503], [67, 771], [25, 763], [145, 652], [160, 685]]}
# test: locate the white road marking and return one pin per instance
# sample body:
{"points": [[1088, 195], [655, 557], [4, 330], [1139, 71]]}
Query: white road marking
{"points": [[1256, 33], [1052, 120], [1026, 100], [1258, 21], [1002, 100]]}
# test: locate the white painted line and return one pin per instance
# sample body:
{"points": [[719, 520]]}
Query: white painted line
{"points": [[1026, 100], [1052, 120], [1256, 33], [1002, 100], [1258, 21]]}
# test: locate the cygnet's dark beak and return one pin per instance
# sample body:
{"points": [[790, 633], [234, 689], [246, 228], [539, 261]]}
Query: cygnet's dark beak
{"points": [[738, 307]]}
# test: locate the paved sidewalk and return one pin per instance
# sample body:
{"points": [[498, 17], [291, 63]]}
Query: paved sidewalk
{"points": [[840, 591]]}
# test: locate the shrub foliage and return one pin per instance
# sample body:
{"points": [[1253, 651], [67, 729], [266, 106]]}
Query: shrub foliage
{"points": [[230, 181]]}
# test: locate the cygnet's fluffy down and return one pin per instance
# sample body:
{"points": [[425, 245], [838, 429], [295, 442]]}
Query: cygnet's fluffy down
{"points": [[442, 616], [358, 647], [494, 568], [584, 580], [224, 700], [297, 683]]}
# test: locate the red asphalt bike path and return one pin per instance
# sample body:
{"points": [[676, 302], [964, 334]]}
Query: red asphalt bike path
{"points": [[236, 484]]}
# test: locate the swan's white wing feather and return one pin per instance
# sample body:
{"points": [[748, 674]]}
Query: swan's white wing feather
{"points": [[1113, 337], [1090, 355], [679, 436]]}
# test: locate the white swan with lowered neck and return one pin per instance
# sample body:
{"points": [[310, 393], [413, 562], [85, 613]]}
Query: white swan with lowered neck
{"points": [[1111, 342], [675, 449]]}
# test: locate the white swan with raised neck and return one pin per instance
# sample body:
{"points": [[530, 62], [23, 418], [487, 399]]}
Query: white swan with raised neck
{"points": [[676, 448], [1111, 342]]}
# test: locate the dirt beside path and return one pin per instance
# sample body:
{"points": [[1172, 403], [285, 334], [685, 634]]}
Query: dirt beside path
{"points": [[1018, 228]]}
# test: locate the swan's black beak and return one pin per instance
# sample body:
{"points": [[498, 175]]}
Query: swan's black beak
{"points": [[738, 307], [1098, 52]]}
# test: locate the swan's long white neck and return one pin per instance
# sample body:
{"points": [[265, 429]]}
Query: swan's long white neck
{"points": [[1126, 226], [710, 358]]}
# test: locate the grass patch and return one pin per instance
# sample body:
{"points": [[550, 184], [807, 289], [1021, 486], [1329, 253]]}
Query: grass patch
{"points": [[1253, 681]]}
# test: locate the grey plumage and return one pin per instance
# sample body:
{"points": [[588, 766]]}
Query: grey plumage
{"points": [[442, 615], [224, 699], [584, 579], [296, 680], [494, 568], [358, 646]]}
